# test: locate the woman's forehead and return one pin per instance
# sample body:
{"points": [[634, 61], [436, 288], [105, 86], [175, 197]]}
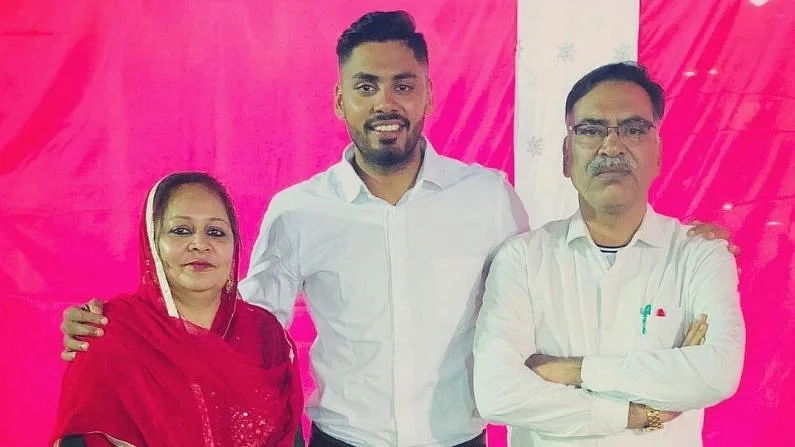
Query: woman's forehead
{"points": [[195, 201]]}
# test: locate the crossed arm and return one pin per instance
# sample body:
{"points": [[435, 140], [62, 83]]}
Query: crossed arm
{"points": [[568, 371], [602, 394]]}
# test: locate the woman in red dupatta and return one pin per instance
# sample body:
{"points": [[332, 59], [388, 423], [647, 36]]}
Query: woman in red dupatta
{"points": [[159, 377]]}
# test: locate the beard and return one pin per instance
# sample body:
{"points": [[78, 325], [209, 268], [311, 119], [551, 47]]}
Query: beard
{"points": [[386, 153]]}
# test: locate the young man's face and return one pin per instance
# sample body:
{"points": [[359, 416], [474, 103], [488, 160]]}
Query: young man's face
{"points": [[383, 95]]}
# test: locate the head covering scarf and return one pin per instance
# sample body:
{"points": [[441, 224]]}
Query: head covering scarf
{"points": [[155, 379]]}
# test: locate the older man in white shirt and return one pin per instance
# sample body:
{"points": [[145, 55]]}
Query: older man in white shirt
{"points": [[583, 336]]}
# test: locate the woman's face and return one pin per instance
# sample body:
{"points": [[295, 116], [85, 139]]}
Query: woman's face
{"points": [[195, 241]]}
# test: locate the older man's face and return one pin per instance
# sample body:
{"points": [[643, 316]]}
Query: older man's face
{"points": [[614, 171]]}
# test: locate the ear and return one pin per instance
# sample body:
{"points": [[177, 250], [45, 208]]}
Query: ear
{"points": [[657, 162], [338, 110], [566, 157], [429, 98], [659, 153]]}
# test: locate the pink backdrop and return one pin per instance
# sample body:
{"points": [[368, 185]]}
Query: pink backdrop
{"points": [[729, 157], [99, 99]]}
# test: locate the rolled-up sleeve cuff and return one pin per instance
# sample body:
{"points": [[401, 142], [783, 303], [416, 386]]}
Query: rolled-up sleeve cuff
{"points": [[599, 372], [609, 415]]}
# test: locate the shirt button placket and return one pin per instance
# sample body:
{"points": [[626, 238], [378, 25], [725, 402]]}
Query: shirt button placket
{"points": [[401, 315]]}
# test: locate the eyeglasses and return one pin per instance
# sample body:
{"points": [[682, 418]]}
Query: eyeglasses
{"points": [[632, 132]]}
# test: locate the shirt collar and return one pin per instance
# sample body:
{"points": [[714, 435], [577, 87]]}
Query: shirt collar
{"points": [[433, 169], [650, 232], [351, 185]]}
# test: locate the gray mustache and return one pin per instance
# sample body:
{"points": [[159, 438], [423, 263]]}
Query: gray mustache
{"points": [[602, 164]]}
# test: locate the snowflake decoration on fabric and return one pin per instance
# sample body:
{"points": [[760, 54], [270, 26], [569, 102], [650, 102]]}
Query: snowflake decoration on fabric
{"points": [[623, 52], [566, 51], [535, 146]]}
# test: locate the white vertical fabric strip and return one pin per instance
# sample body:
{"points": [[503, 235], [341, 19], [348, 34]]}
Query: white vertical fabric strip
{"points": [[171, 306], [559, 41]]}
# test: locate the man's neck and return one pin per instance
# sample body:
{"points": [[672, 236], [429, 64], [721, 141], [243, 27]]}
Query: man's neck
{"points": [[613, 226], [390, 184]]}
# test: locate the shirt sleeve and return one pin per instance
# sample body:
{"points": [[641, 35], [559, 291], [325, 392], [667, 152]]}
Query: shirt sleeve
{"points": [[508, 392], [512, 217], [273, 281], [687, 378]]}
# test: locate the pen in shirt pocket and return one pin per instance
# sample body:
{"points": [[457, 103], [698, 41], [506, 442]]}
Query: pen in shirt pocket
{"points": [[644, 316]]}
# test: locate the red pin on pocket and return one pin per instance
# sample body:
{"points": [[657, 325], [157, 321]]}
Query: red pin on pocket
{"points": [[660, 312]]}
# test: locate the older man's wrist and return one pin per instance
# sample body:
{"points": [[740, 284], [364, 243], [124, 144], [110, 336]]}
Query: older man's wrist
{"points": [[636, 418], [574, 365]]}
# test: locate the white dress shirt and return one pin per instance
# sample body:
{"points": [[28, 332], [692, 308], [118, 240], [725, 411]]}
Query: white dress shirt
{"points": [[393, 291], [551, 291]]}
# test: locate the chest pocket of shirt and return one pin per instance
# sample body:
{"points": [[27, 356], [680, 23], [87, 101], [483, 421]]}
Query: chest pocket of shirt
{"points": [[663, 328]]}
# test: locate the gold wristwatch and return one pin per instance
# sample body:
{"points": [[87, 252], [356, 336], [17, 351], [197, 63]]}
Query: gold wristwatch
{"points": [[653, 421]]}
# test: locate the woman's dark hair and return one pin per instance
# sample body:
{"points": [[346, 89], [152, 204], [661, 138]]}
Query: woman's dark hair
{"points": [[621, 71], [169, 184], [380, 26]]}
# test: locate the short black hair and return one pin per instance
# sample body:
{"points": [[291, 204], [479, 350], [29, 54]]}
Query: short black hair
{"points": [[623, 72], [382, 26], [167, 186]]}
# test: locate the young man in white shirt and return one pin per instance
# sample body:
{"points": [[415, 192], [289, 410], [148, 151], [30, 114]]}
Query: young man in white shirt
{"points": [[389, 247], [583, 336]]}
